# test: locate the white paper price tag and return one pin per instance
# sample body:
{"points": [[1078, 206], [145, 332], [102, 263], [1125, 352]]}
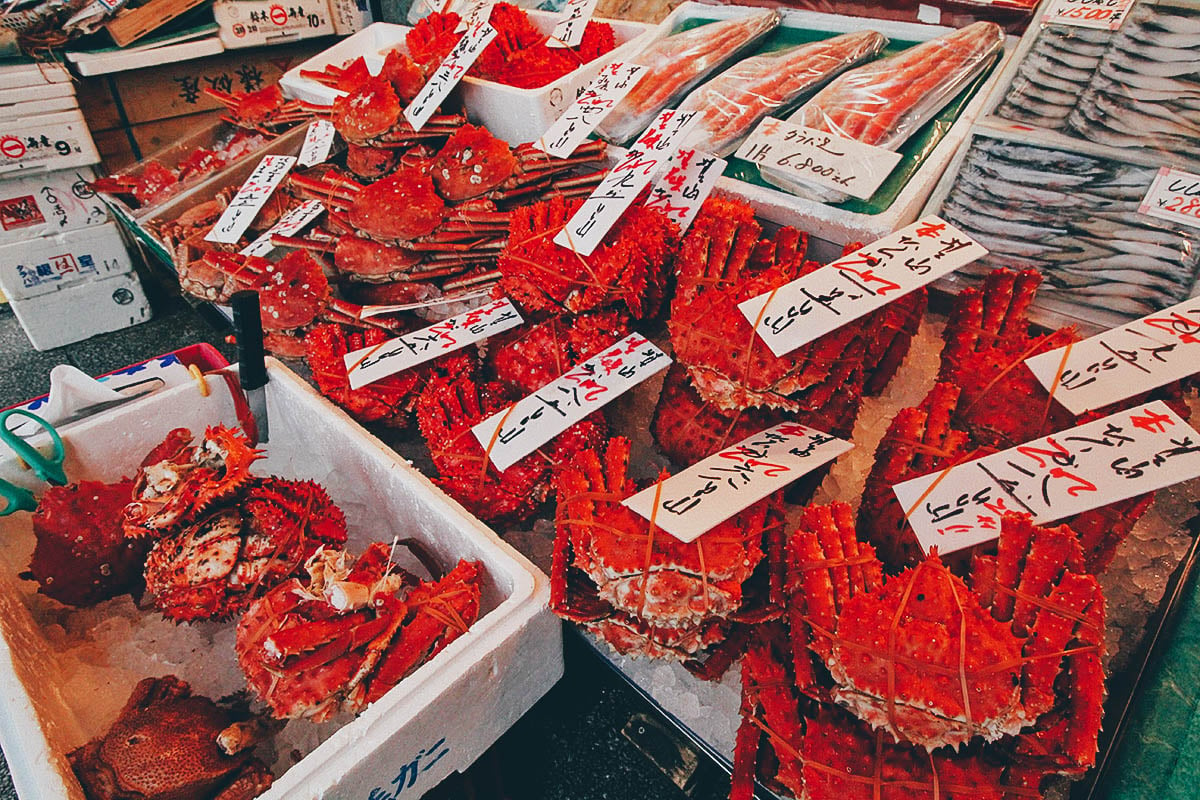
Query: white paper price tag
{"points": [[596, 102], [1125, 361], [253, 195], [523, 427], [713, 490], [818, 157], [569, 31], [1104, 15], [472, 12], [290, 223], [844, 290], [1174, 196], [1120, 456], [317, 142], [687, 183], [448, 74], [645, 159]]}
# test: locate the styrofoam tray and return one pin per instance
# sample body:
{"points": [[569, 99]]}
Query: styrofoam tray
{"points": [[463, 698], [515, 115]]}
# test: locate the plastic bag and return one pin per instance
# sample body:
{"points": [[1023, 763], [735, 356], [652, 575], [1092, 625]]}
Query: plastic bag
{"points": [[674, 64], [732, 103]]}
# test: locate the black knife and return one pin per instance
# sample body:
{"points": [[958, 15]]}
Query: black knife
{"points": [[252, 369]]}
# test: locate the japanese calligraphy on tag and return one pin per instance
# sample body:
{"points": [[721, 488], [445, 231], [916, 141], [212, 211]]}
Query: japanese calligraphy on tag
{"points": [[378, 361], [1174, 196], [1104, 15], [687, 183], [645, 159], [448, 74], [290, 223], [569, 31], [317, 142], [844, 290], [818, 157], [1122, 455], [523, 427], [713, 490], [244, 207], [1125, 361], [598, 98], [472, 12]]}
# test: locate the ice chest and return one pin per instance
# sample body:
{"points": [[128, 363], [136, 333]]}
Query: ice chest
{"points": [[82, 310], [436, 721]]}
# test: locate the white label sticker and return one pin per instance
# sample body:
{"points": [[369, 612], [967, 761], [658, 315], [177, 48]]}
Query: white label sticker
{"points": [[1104, 15], [395, 355], [290, 223], [317, 142], [818, 157], [604, 206], [687, 183], [448, 74], [244, 207], [825, 299], [472, 12], [569, 31], [713, 490], [512, 434], [1125, 361], [596, 102], [1174, 196], [1120, 456]]}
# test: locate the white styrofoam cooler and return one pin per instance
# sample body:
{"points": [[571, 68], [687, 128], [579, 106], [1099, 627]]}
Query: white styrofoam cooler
{"points": [[82, 310], [515, 115], [461, 700], [37, 73], [45, 203], [46, 142], [48, 264]]}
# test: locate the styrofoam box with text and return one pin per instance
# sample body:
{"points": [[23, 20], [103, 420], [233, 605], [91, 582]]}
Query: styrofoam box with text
{"points": [[46, 142], [465, 697], [250, 23], [47, 264], [46, 203], [515, 115], [81, 311]]}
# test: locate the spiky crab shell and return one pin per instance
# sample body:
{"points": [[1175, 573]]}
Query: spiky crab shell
{"points": [[387, 400], [532, 356], [627, 635]]}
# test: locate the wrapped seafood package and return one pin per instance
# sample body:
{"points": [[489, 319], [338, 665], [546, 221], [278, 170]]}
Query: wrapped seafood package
{"points": [[883, 103], [736, 100], [675, 62]]}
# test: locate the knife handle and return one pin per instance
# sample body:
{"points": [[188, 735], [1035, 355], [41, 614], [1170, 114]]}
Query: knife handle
{"points": [[247, 328]]}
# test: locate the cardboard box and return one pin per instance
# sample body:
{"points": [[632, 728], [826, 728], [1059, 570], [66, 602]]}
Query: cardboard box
{"points": [[45, 143], [81, 311], [46, 203], [434, 722], [44, 265], [248, 23]]}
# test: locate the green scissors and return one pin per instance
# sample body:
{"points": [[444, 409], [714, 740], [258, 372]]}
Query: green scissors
{"points": [[48, 468]]}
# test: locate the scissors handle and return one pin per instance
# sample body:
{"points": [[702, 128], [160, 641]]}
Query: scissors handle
{"points": [[49, 469], [16, 499]]}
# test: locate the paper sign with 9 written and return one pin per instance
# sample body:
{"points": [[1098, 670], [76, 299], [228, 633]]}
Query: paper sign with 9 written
{"points": [[594, 103], [373, 363], [512, 434], [448, 74], [844, 290], [1126, 361], [713, 490], [244, 207], [1174, 195], [1119, 456], [690, 178]]}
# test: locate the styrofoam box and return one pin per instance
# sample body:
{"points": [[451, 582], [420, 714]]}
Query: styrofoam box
{"points": [[20, 94], [78, 312], [48, 142], [823, 221], [46, 203], [27, 110], [47, 264], [41, 73], [515, 115], [249, 23], [463, 698]]}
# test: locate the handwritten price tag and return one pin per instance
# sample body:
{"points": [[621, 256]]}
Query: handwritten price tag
{"points": [[1174, 196], [290, 223], [713, 490], [840, 292], [245, 205], [1104, 15], [1125, 361], [317, 142], [597, 100], [1122, 455], [472, 12], [687, 183], [604, 206], [569, 31], [448, 74], [523, 427], [818, 157]]}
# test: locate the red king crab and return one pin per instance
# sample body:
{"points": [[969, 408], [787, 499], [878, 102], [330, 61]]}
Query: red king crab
{"points": [[168, 744], [531, 356], [345, 635]]}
